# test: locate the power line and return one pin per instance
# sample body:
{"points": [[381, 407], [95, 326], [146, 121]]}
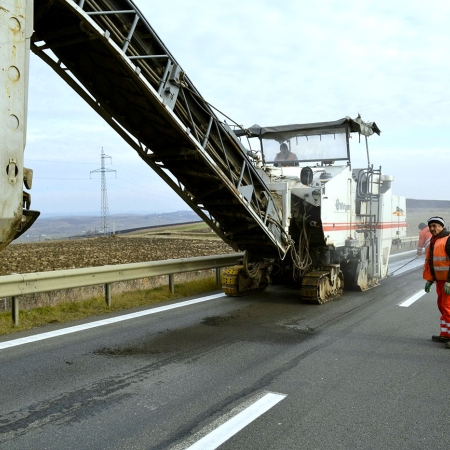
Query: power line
{"points": [[162, 193], [153, 177], [62, 178], [60, 162]]}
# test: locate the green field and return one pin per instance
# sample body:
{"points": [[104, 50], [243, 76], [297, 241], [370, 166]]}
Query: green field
{"points": [[198, 230]]}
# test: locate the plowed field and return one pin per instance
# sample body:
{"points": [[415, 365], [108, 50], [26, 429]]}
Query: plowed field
{"points": [[71, 254]]}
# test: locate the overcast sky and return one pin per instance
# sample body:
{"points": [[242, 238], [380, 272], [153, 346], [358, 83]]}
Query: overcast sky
{"points": [[270, 63]]}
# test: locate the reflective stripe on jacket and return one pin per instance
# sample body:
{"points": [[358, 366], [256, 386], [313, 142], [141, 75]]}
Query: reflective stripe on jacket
{"points": [[437, 261]]}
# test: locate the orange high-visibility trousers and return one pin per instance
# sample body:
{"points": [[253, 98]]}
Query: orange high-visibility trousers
{"points": [[443, 304]]}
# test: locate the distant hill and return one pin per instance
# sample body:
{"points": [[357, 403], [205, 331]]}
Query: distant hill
{"points": [[68, 226], [426, 204]]}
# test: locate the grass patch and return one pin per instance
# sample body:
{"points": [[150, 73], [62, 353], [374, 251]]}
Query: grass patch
{"points": [[67, 312]]}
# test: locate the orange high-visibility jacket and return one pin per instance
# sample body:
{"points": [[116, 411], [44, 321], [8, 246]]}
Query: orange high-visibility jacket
{"points": [[437, 261], [287, 157], [424, 239]]}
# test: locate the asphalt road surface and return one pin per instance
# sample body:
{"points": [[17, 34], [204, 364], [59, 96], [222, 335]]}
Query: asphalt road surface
{"points": [[261, 372]]}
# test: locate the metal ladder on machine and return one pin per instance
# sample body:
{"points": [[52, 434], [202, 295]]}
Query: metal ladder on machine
{"points": [[369, 224], [110, 55]]}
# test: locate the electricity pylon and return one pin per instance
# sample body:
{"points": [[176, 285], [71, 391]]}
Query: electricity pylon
{"points": [[104, 229]]}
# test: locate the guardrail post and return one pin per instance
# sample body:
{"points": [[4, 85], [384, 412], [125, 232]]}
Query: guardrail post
{"points": [[108, 294], [171, 284], [15, 310], [218, 277]]}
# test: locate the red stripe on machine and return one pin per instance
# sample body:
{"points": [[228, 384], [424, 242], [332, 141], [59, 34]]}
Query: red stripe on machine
{"points": [[353, 226]]}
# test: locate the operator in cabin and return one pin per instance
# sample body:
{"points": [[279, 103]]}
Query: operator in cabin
{"points": [[286, 155]]}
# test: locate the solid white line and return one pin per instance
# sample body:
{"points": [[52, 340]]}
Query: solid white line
{"points": [[100, 323], [221, 434], [412, 299]]}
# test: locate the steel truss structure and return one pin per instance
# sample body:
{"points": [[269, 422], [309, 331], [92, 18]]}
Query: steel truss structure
{"points": [[110, 55]]}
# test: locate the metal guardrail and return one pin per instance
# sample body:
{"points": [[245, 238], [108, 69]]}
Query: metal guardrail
{"points": [[400, 242], [31, 283]]}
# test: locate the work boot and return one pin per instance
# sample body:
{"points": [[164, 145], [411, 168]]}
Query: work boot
{"points": [[440, 339]]}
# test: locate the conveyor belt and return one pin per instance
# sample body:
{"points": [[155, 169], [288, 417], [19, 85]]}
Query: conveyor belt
{"points": [[107, 52]]}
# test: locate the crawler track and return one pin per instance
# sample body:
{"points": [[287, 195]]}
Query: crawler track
{"points": [[318, 289]]}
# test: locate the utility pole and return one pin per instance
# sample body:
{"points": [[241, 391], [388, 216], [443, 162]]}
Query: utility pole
{"points": [[104, 229]]}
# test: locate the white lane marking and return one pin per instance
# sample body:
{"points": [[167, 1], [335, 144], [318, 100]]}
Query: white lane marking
{"points": [[399, 255], [99, 323], [412, 299], [228, 429]]}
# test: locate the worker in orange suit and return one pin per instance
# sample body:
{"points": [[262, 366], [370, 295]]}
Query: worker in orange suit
{"points": [[436, 269], [285, 155], [424, 238]]}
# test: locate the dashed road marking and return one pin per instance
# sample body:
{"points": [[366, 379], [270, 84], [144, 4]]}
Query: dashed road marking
{"points": [[412, 299], [223, 429]]}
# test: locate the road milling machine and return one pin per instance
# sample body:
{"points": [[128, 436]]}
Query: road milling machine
{"points": [[310, 219]]}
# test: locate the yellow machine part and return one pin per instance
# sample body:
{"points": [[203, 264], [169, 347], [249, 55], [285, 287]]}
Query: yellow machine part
{"points": [[236, 282], [230, 280]]}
